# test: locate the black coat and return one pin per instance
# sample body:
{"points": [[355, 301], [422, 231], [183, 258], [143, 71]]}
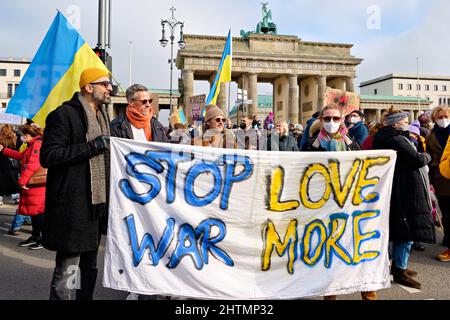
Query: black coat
{"points": [[8, 177], [69, 226], [410, 212], [121, 128]]}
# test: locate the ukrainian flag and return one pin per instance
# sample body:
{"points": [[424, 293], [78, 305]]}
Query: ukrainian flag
{"points": [[177, 117], [223, 73], [54, 73]]}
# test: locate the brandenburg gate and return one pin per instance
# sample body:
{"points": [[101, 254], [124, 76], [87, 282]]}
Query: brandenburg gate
{"points": [[299, 71]]}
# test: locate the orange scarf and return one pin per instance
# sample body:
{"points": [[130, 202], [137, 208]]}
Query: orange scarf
{"points": [[140, 121]]}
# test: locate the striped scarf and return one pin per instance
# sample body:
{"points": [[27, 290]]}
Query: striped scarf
{"points": [[98, 125], [335, 143]]}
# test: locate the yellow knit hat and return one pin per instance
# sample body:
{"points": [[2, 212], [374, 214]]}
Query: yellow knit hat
{"points": [[91, 74]]}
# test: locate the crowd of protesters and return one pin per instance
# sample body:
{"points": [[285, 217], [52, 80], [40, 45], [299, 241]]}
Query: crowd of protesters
{"points": [[69, 209]]}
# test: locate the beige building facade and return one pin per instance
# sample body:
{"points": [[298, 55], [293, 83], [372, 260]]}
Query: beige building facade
{"points": [[12, 71], [299, 71], [435, 89], [374, 106]]}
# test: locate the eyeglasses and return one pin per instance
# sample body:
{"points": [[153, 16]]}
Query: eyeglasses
{"points": [[219, 120], [328, 119], [145, 101], [106, 84]]}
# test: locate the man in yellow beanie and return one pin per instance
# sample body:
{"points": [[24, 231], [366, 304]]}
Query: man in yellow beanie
{"points": [[75, 150]]}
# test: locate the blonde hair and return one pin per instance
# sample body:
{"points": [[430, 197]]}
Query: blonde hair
{"points": [[284, 125], [437, 110]]}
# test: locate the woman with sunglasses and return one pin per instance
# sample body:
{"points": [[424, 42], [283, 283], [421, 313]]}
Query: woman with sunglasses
{"points": [[329, 133], [214, 134]]}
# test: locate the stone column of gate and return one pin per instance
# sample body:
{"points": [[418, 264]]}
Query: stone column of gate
{"points": [[322, 82], [222, 97], [242, 84], [253, 93], [349, 84], [188, 84], [378, 115], [411, 116], [293, 99]]}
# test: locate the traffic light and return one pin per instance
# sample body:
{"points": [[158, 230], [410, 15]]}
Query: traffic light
{"points": [[101, 53]]}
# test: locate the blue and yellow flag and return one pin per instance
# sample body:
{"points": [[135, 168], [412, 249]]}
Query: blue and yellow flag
{"points": [[177, 117], [223, 73], [54, 73]]}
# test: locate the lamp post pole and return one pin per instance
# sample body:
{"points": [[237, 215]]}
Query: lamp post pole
{"points": [[171, 23]]}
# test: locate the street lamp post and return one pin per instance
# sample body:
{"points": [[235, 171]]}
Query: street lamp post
{"points": [[172, 23]]}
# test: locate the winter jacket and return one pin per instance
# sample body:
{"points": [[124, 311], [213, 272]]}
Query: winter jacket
{"points": [[281, 143], [410, 212], [8, 176], [32, 201], [444, 166], [121, 128], [69, 226], [358, 132], [248, 140], [368, 143], [441, 184], [306, 134]]}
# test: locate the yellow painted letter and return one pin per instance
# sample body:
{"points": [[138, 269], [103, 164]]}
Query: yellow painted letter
{"points": [[359, 237], [341, 193], [276, 189], [319, 227], [363, 182], [272, 239], [336, 232], [305, 195]]}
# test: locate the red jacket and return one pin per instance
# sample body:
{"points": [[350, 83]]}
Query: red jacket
{"points": [[368, 143], [32, 201]]}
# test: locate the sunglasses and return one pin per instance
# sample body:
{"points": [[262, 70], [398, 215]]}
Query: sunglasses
{"points": [[106, 84], [219, 120], [328, 119], [145, 101]]}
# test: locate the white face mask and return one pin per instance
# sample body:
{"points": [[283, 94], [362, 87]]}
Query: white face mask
{"points": [[404, 127], [23, 139], [354, 120], [443, 123], [331, 127]]}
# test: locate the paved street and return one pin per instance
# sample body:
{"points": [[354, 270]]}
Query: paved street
{"points": [[26, 274]]}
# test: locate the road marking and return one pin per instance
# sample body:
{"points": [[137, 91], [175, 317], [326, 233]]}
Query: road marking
{"points": [[410, 290]]}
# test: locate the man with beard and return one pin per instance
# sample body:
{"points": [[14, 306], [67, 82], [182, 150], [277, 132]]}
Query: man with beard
{"points": [[75, 150]]}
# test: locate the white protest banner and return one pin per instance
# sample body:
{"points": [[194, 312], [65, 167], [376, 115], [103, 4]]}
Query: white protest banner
{"points": [[9, 118], [237, 224]]}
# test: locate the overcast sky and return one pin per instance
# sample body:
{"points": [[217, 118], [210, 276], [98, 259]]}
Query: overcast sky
{"points": [[387, 34]]}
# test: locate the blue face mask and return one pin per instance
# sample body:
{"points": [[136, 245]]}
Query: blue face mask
{"points": [[270, 126]]}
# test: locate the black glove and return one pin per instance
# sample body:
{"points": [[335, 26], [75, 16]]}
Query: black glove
{"points": [[99, 145]]}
